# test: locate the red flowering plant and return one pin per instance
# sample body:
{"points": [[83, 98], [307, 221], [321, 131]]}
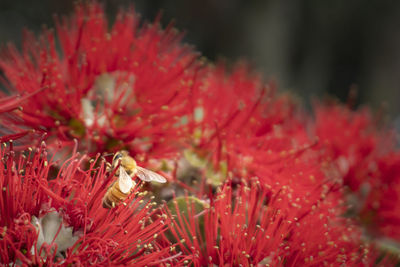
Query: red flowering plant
{"points": [[338, 127], [110, 89], [255, 133], [56, 219], [380, 210], [251, 224], [369, 167], [253, 180], [233, 116]]}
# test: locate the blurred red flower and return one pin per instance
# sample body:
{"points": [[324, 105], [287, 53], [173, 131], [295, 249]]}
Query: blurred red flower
{"points": [[366, 159]]}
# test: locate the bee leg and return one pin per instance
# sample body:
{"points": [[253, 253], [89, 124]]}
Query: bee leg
{"points": [[108, 167], [106, 204]]}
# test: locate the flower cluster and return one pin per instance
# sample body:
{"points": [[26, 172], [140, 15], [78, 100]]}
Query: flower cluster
{"points": [[53, 216], [119, 88], [369, 167], [254, 225], [253, 180]]}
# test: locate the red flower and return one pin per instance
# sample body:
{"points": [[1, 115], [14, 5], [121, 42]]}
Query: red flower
{"points": [[365, 159], [352, 141], [252, 225], [121, 88], [236, 121], [60, 219], [382, 202]]}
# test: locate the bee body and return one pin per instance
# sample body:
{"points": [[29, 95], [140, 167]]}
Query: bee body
{"points": [[114, 196], [123, 185]]}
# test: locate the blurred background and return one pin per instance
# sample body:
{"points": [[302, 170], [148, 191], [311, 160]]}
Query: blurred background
{"points": [[311, 48]]}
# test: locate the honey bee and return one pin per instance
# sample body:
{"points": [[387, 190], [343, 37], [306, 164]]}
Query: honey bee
{"points": [[123, 185]]}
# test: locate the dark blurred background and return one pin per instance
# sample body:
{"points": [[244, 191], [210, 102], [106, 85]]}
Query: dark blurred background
{"points": [[311, 48]]}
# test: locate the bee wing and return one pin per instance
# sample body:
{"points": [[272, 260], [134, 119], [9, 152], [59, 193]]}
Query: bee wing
{"points": [[125, 182], [148, 176]]}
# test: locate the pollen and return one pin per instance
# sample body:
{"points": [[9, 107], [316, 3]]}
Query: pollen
{"points": [[3, 234]]}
